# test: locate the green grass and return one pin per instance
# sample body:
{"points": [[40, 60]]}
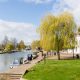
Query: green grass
{"points": [[55, 70]]}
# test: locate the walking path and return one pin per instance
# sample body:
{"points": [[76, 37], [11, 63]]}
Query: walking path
{"points": [[63, 56], [22, 68], [18, 72]]}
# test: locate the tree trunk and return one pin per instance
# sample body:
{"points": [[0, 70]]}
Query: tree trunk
{"points": [[58, 54], [58, 41], [73, 53]]}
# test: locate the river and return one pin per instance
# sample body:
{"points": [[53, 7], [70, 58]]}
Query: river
{"points": [[7, 59]]}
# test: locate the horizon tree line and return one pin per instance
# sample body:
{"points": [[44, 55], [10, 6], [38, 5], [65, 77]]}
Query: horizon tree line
{"points": [[8, 45]]}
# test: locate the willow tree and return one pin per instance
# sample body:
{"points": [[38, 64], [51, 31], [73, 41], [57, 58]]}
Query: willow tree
{"points": [[9, 47], [35, 44], [69, 31], [44, 33], [21, 45], [57, 32]]}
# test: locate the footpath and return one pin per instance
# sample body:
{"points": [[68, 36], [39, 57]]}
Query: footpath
{"points": [[18, 72]]}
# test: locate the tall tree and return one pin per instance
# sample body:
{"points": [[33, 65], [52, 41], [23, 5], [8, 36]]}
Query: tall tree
{"points": [[69, 31], [9, 47], [57, 32], [14, 42], [35, 44], [21, 45], [5, 41]]}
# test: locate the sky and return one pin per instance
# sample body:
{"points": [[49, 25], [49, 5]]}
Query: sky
{"points": [[20, 18]]}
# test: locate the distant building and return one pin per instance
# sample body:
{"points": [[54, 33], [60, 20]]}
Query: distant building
{"points": [[77, 48]]}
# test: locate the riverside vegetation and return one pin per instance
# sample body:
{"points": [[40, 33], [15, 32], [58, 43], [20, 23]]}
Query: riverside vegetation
{"points": [[56, 33], [8, 46]]}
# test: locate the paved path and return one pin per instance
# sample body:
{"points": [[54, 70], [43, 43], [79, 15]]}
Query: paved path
{"points": [[63, 56], [18, 72], [22, 68]]}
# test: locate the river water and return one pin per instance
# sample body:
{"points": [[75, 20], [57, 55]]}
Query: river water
{"points": [[6, 59]]}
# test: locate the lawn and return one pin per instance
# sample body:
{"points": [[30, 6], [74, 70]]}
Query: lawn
{"points": [[55, 70]]}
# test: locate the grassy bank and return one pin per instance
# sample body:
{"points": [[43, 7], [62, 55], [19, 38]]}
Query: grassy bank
{"points": [[55, 70]]}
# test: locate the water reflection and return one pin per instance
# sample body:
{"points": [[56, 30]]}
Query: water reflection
{"points": [[7, 59]]}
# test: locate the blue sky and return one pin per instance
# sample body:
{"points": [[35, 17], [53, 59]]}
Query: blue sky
{"points": [[20, 18], [20, 11]]}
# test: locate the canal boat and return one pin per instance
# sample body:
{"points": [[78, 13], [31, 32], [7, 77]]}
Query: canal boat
{"points": [[14, 64]]}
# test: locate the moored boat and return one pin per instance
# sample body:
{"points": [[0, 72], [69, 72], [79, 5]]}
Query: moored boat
{"points": [[14, 64]]}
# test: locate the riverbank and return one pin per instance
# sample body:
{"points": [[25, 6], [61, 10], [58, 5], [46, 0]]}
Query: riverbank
{"points": [[20, 70], [13, 51], [7, 59]]}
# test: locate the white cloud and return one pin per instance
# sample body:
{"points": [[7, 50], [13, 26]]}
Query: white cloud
{"points": [[72, 6], [21, 31], [37, 1]]}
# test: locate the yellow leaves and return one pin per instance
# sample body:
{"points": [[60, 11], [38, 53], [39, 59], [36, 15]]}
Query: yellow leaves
{"points": [[63, 24], [35, 44], [9, 46], [21, 45]]}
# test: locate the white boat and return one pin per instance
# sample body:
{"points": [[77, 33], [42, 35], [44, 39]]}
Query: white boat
{"points": [[14, 64], [25, 60]]}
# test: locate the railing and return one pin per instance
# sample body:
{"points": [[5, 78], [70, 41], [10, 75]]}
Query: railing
{"points": [[8, 76]]}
